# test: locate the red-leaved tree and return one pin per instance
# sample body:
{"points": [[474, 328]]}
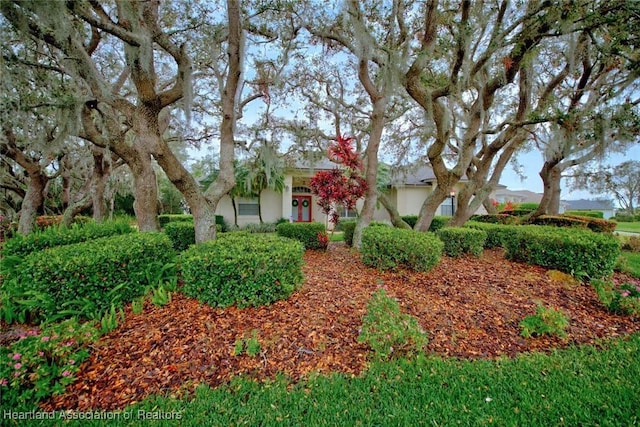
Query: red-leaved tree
{"points": [[340, 186]]}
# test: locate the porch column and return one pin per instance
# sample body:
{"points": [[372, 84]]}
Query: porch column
{"points": [[286, 197]]}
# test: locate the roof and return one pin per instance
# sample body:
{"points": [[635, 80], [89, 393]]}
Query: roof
{"points": [[525, 196], [585, 205], [414, 175]]}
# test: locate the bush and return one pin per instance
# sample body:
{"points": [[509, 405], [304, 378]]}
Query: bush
{"points": [[43, 362], [242, 269], [389, 331], [632, 244], [85, 279], [437, 223], [502, 218], [181, 233], [44, 221], [496, 233], [462, 240], [573, 251], [265, 227], [620, 299], [594, 224], [348, 227], [546, 321], [57, 236], [165, 219], [624, 217], [559, 221], [589, 214], [388, 248], [305, 232], [410, 219]]}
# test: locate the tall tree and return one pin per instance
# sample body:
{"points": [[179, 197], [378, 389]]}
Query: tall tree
{"points": [[462, 74], [622, 181]]}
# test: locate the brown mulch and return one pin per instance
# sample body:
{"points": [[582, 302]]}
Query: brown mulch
{"points": [[470, 307]]}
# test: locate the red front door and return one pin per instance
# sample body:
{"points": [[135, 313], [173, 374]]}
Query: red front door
{"points": [[301, 208]]}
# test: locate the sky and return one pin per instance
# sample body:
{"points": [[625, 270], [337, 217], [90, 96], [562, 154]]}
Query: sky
{"points": [[532, 163]]}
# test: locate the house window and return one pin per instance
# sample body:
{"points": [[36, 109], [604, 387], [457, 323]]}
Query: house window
{"points": [[343, 212], [248, 207], [301, 190]]}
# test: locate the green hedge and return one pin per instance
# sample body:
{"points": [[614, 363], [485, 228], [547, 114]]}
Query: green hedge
{"points": [[165, 219], [305, 232], [574, 251], [389, 248], [437, 223], [496, 233], [594, 224], [50, 237], [462, 240], [182, 234], [590, 214], [242, 269], [86, 278], [410, 219], [348, 227], [495, 219]]}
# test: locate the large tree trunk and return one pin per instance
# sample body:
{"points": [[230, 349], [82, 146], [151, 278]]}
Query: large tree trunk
{"points": [[99, 178], [431, 205], [547, 173], [394, 215], [145, 192], [33, 201], [554, 182], [379, 101]]}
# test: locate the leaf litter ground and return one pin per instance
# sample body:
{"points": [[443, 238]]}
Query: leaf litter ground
{"points": [[471, 308]]}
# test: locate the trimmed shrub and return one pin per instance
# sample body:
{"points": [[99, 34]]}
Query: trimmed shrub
{"points": [[589, 214], [462, 240], [410, 219], [165, 219], [624, 217], [519, 212], [573, 251], [389, 248], [265, 227], [242, 269], [389, 331], [594, 224], [87, 278], [598, 225], [348, 227], [495, 219], [305, 232], [496, 233], [50, 237], [437, 223], [181, 233], [559, 221]]}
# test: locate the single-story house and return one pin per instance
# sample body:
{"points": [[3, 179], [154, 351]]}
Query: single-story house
{"points": [[408, 189], [604, 206]]}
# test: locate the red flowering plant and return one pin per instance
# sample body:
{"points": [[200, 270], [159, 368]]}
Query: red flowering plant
{"points": [[340, 186]]}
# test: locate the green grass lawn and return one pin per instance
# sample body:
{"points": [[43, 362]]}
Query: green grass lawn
{"points": [[578, 386], [336, 236], [632, 265], [631, 227]]}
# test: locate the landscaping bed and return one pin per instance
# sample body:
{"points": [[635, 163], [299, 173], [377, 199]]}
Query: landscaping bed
{"points": [[470, 307]]}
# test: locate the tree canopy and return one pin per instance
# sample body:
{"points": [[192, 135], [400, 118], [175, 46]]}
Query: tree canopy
{"points": [[464, 87]]}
